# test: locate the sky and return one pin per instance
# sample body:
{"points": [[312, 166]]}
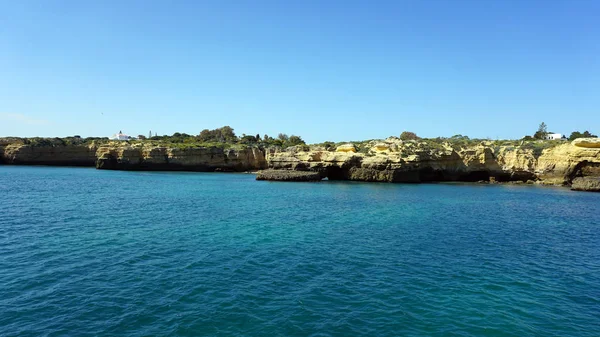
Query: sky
{"points": [[324, 70]]}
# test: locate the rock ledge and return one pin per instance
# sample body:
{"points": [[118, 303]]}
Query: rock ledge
{"points": [[288, 175], [589, 184]]}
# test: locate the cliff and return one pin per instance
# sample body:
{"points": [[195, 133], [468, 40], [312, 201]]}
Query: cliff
{"points": [[389, 160], [139, 157], [393, 160], [71, 155], [123, 156]]}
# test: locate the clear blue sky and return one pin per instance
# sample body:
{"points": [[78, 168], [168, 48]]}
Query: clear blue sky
{"points": [[325, 70]]}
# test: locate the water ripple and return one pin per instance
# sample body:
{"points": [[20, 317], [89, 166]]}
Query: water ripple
{"points": [[87, 253]]}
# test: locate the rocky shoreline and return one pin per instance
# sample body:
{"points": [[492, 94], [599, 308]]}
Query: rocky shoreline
{"points": [[389, 160], [588, 184], [288, 175]]}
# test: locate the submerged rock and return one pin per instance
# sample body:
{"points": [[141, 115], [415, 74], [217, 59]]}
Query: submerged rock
{"points": [[288, 175], [590, 184]]}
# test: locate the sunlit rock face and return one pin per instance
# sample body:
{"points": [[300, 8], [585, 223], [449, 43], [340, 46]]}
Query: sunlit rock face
{"points": [[69, 155], [389, 160], [588, 184], [346, 148], [413, 161], [592, 143], [175, 159], [122, 156]]}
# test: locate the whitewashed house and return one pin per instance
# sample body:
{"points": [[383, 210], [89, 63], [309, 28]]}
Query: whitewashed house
{"points": [[119, 136], [554, 136]]}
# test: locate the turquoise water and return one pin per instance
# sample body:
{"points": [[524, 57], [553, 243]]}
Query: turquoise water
{"points": [[86, 253]]}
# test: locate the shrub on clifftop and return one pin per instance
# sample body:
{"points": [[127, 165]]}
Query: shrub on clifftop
{"points": [[407, 135], [585, 134]]}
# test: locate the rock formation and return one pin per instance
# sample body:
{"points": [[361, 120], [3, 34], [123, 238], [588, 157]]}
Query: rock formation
{"points": [[394, 160], [125, 157], [71, 155], [122, 156], [288, 175], [389, 160], [587, 142], [346, 148], [586, 184]]}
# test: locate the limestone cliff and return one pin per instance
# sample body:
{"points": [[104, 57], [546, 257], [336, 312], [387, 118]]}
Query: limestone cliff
{"points": [[389, 160], [71, 155], [140, 157], [123, 156], [393, 160]]}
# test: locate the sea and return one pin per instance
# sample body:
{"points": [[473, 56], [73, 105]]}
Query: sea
{"points": [[87, 252]]}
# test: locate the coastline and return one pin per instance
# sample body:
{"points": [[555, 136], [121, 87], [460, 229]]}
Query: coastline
{"points": [[390, 160]]}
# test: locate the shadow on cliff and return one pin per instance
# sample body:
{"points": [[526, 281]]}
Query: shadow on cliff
{"points": [[446, 168], [582, 170]]}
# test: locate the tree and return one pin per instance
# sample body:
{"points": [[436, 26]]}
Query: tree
{"points": [[141, 137], [586, 134], [227, 134], [223, 135], [407, 135], [205, 135], [329, 145], [295, 140], [541, 132], [283, 137], [246, 139], [459, 137]]}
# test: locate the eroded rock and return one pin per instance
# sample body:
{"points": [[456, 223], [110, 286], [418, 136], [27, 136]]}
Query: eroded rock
{"points": [[588, 184]]}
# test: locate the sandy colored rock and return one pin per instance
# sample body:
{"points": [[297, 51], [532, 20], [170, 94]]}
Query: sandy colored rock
{"points": [[148, 157], [592, 143], [346, 148], [587, 184], [70, 155], [423, 162], [389, 160]]}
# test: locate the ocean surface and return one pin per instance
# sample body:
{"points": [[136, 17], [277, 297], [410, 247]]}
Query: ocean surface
{"points": [[108, 253]]}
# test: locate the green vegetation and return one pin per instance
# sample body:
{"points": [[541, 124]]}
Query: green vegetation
{"points": [[539, 146], [40, 141], [226, 138], [407, 135], [586, 134], [541, 132], [223, 137]]}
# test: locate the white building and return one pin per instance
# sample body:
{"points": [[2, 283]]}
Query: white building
{"points": [[554, 136], [119, 136]]}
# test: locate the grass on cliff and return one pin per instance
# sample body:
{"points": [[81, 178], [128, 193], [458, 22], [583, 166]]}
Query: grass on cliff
{"points": [[74, 141], [41, 141], [181, 141]]}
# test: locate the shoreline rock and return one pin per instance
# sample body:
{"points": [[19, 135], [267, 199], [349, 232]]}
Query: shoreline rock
{"points": [[390, 160], [288, 175], [588, 184]]}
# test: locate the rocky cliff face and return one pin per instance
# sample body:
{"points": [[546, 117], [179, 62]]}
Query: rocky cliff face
{"points": [[122, 156], [72, 155], [126, 157], [395, 161], [390, 160]]}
